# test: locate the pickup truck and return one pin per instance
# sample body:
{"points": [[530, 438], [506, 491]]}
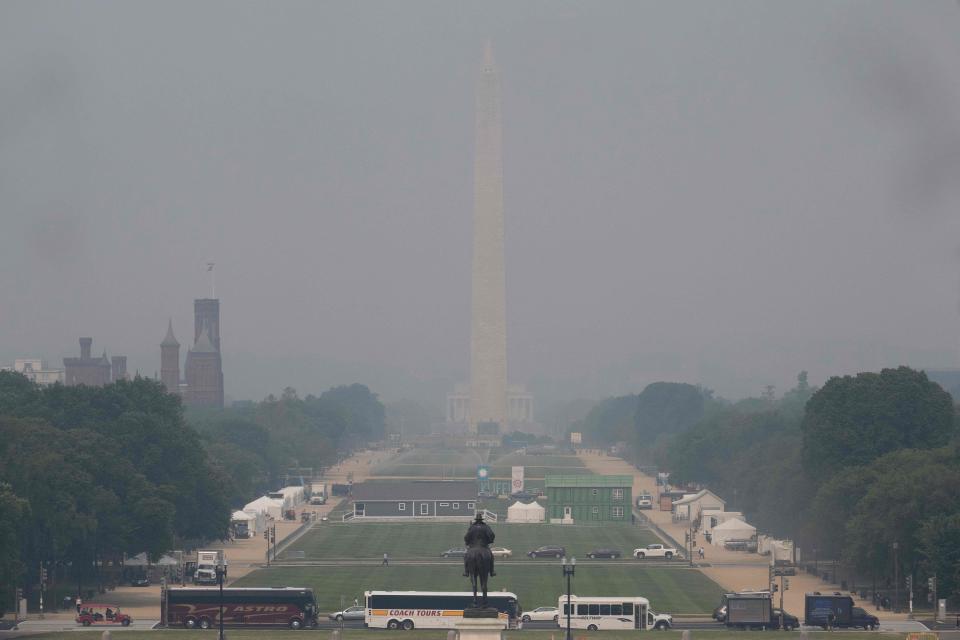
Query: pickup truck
{"points": [[654, 551]]}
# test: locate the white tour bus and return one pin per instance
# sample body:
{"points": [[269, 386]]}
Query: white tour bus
{"points": [[627, 612], [432, 609]]}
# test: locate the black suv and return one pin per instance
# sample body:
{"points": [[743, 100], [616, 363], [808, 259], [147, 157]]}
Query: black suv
{"points": [[548, 551]]}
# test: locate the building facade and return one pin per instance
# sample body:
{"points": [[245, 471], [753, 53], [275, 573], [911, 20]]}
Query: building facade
{"points": [[586, 498], [93, 372], [202, 383], [408, 500], [37, 371]]}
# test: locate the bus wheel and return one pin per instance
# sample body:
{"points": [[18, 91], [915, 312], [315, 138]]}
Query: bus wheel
{"points": [[296, 623], [591, 627], [190, 623], [408, 625], [393, 624], [205, 623]]}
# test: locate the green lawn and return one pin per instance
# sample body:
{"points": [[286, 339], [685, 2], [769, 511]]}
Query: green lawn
{"points": [[435, 634], [671, 590], [536, 467], [415, 540]]}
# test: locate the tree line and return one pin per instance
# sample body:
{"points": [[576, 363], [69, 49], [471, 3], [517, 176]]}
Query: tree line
{"points": [[863, 470], [88, 474]]}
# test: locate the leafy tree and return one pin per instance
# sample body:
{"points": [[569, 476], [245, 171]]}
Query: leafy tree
{"points": [[12, 513], [854, 420]]}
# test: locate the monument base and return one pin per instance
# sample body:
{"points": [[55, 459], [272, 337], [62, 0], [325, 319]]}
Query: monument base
{"points": [[479, 624]]}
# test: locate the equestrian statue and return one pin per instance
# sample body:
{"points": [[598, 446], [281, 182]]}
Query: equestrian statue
{"points": [[478, 562]]}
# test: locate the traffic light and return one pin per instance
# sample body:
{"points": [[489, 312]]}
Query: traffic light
{"points": [[909, 583], [775, 588], [786, 584], [932, 583], [43, 575]]}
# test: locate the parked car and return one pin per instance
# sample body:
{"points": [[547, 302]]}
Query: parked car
{"points": [[605, 553], [720, 613], [456, 552], [318, 500], [644, 501], [541, 614], [548, 551], [789, 622], [501, 552], [140, 581], [654, 551], [350, 613]]}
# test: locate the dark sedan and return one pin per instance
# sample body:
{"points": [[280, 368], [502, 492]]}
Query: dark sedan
{"points": [[789, 622], [605, 553], [548, 551], [456, 552]]}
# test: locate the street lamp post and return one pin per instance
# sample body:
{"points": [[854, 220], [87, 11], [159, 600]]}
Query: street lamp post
{"points": [[568, 570], [896, 579], [221, 574]]}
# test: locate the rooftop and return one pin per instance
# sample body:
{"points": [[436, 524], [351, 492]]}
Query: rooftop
{"points": [[590, 481], [416, 490]]}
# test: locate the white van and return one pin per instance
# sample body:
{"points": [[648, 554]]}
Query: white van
{"points": [[616, 612]]}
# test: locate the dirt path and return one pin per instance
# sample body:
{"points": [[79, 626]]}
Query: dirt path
{"points": [[733, 570]]}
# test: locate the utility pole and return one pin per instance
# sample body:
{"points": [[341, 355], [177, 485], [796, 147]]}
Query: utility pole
{"points": [[896, 578]]}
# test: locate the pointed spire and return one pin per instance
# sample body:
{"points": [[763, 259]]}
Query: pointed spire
{"points": [[104, 358], [203, 344], [170, 341], [488, 62]]}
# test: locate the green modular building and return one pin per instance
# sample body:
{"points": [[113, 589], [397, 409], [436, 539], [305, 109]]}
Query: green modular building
{"points": [[585, 498]]}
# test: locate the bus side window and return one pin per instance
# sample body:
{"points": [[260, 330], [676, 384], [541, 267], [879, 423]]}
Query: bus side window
{"points": [[594, 610], [582, 610], [604, 609], [566, 609], [616, 610], [628, 609]]}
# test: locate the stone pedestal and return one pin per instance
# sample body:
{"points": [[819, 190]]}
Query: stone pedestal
{"points": [[485, 628]]}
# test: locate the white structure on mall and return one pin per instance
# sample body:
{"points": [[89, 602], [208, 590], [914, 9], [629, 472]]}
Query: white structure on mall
{"points": [[36, 370]]}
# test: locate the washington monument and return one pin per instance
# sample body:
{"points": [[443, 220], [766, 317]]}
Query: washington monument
{"points": [[488, 328]]}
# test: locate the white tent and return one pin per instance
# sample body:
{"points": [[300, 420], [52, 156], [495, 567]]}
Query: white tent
{"points": [[242, 516], [733, 529], [268, 506], [141, 560], [520, 512]]}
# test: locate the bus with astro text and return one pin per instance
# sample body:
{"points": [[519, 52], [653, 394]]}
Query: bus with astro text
{"points": [[432, 609], [199, 608]]}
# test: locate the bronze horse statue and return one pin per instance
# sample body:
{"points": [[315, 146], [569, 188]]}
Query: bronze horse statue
{"points": [[478, 562]]}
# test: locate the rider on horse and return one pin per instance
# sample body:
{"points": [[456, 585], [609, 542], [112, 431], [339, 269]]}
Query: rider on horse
{"points": [[478, 535]]}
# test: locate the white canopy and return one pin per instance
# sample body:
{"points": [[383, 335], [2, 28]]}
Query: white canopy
{"points": [[141, 560], [733, 529], [241, 516], [265, 505], [521, 512]]}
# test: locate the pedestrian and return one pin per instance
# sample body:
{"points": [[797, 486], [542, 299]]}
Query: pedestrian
{"points": [[356, 602], [79, 602], [700, 553], [386, 561], [831, 620]]}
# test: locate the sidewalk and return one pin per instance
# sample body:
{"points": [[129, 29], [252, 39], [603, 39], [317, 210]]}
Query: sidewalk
{"points": [[732, 570]]}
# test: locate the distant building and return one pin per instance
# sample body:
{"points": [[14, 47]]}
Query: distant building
{"points": [[585, 498], [412, 499], [36, 370], [519, 408], [93, 372], [203, 369]]}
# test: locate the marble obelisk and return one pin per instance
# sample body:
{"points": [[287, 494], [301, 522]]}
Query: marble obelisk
{"points": [[488, 329]]}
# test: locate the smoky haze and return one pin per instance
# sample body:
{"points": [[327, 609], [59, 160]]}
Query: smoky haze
{"points": [[717, 193]]}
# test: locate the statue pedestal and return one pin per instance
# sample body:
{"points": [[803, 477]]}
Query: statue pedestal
{"points": [[483, 624]]}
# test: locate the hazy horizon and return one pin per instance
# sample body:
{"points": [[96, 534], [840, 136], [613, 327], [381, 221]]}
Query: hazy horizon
{"points": [[716, 193]]}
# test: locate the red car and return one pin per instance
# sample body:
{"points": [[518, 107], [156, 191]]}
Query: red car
{"points": [[102, 614]]}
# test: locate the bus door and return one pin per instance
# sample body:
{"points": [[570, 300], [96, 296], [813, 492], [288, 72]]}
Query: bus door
{"points": [[639, 616]]}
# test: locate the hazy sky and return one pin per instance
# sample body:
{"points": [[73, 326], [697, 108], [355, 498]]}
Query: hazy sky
{"points": [[714, 192]]}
